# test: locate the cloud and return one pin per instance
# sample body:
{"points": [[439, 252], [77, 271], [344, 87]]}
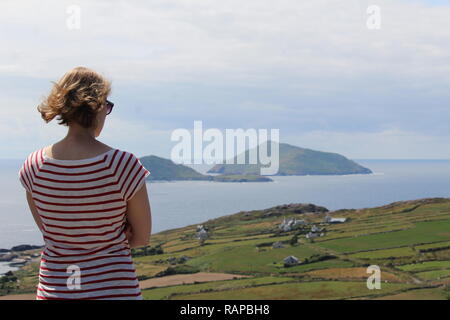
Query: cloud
{"points": [[227, 41], [387, 144], [301, 66]]}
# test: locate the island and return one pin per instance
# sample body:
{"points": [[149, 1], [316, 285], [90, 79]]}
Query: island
{"points": [[294, 160], [162, 169]]}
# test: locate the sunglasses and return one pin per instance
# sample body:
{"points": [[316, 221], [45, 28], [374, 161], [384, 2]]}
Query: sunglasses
{"points": [[109, 106]]}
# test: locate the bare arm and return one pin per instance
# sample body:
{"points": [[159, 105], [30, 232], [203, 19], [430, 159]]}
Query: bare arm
{"points": [[34, 211], [139, 219]]}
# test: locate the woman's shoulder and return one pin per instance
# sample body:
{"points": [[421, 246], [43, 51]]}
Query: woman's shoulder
{"points": [[128, 159], [126, 153], [30, 165], [34, 157]]}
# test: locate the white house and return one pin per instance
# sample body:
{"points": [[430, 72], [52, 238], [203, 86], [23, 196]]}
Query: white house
{"points": [[329, 219], [316, 229], [311, 235], [288, 225], [291, 260], [202, 235], [338, 220]]}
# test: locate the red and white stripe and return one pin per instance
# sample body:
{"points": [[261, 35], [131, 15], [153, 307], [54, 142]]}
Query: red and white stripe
{"points": [[82, 205]]}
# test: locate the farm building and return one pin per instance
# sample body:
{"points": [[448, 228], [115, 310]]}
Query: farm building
{"points": [[277, 245], [288, 225], [316, 229], [202, 235], [312, 235], [291, 260], [329, 219]]}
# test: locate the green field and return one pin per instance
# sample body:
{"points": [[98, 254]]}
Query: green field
{"points": [[408, 240], [421, 233], [298, 291], [426, 266], [166, 292], [387, 253], [434, 275]]}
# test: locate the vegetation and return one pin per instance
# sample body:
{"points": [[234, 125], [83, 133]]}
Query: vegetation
{"points": [[165, 169], [408, 240], [396, 237], [147, 251], [293, 161], [297, 161], [177, 270], [162, 169]]}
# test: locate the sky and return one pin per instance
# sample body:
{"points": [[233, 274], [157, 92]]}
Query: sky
{"points": [[312, 69]]}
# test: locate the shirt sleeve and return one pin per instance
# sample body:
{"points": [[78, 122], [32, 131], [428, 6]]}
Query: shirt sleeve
{"points": [[135, 175], [25, 177]]}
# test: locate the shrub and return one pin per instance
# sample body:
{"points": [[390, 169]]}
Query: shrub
{"points": [[293, 240], [179, 269], [147, 251]]}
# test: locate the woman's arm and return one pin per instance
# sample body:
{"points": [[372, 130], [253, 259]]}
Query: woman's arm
{"points": [[139, 219], [34, 211]]}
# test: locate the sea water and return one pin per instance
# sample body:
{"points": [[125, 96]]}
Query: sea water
{"points": [[177, 204]]}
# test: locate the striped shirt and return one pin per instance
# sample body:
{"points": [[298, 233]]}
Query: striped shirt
{"points": [[82, 205]]}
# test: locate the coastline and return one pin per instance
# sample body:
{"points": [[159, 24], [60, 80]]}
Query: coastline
{"points": [[273, 259], [5, 267], [18, 257]]}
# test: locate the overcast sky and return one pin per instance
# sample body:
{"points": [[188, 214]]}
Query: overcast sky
{"points": [[312, 69]]}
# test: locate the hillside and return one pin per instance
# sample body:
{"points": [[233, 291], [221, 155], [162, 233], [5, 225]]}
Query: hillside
{"points": [[165, 169], [298, 161], [162, 169], [409, 240]]}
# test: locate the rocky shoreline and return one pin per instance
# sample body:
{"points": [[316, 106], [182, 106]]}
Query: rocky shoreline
{"points": [[19, 256]]}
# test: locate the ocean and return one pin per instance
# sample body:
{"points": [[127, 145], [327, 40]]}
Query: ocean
{"points": [[177, 204]]}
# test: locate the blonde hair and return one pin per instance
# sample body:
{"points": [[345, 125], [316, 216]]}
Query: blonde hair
{"points": [[76, 97]]}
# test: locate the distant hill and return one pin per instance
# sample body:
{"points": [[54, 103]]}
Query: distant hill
{"points": [[298, 161], [162, 169], [165, 169]]}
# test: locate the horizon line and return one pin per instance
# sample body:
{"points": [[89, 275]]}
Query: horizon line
{"points": [[354, 159]]}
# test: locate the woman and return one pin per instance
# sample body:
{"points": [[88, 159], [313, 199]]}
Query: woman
{"points": [[89, 200]]}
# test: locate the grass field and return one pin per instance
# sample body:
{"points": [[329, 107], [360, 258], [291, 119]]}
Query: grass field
{"points": [[384, 254], [164, 293], [420, 233], [297, 291], [426, 266], [408, 240], [418, 294]]}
